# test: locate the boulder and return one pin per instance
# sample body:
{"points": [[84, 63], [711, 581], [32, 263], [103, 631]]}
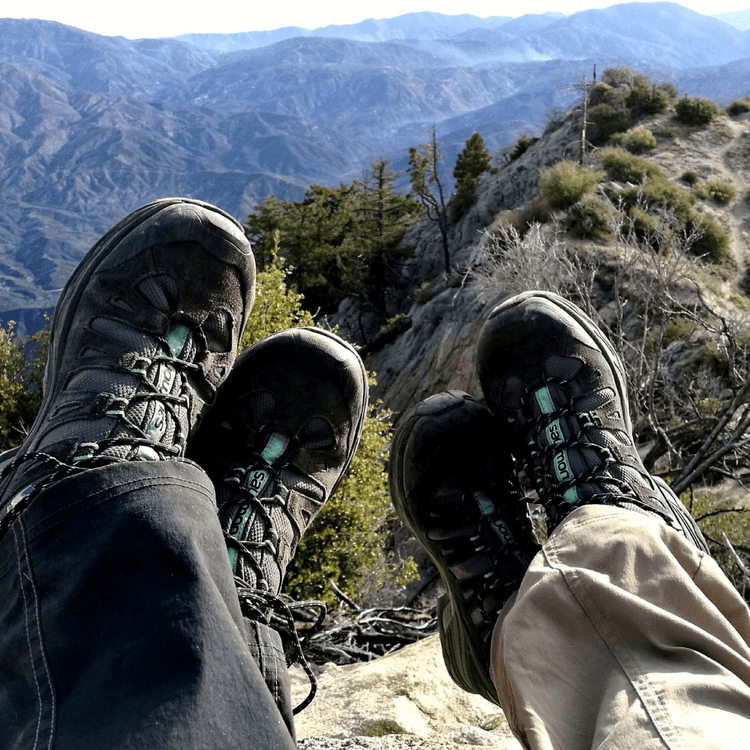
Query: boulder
{"points": [[403, 700]]}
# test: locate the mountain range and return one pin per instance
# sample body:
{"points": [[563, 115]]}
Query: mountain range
{"points": [[91, 127]]}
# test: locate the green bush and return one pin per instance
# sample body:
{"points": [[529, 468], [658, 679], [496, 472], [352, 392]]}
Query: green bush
{"points": [[716, 515], [674, 329], [603, 93], [648, 229], [522, 144], [713, 241], [691, 177], [659, 192], [668, 89], [424, 292], [590, 218], [21, 373], [608, 118], [696, 111], [668, 133], [721, 191], [566, 183], [619, 76], [739, 107], [537, 211], [636, 140], [647, 99], [626, 167]]}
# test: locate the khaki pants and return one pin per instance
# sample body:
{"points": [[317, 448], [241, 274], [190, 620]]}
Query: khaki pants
{"points": [[623, 635]]}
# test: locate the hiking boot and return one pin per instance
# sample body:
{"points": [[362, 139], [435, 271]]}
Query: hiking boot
{"points": [[453, 484], [144, 333], [558, 385], [283, 431]]}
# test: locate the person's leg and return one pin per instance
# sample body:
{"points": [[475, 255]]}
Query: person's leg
{"points": [[623, 635], [624, 632], [121, 626], [120, 623]]}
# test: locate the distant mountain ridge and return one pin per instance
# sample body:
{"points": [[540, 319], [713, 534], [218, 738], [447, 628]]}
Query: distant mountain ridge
{"points": [[91, 127]]}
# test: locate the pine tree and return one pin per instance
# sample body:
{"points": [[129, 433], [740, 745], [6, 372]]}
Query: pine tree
{"points": [[338, 241], [384, 215], [471, 164]]}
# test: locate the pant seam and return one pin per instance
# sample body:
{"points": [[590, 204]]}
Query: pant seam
{"points": [[22, 553], [641, 685]]}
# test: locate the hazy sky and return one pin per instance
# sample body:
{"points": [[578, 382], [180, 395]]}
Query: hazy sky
{"points": [[155, 18]]}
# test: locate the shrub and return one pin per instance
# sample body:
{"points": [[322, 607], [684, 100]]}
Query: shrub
{"points": [[721, 191], [661, 192], [647, 99], [424, 292], [567, 182], [637, 140], [623, 166], [696, 111], [520, 147], [603, 93], [713, 241], [618, 76], [692, 178], [668, 133], [716, 515], [701, 190], [669, 89], [536, 211], [648, 229], [606, 119], [590, 218], [21, 373], [674, 329], [739, 106]]}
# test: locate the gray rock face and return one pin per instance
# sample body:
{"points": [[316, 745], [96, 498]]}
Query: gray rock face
{"points": [[403, 700]]}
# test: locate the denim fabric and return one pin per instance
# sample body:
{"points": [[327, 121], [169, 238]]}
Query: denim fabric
{"points": [[120, 624]]}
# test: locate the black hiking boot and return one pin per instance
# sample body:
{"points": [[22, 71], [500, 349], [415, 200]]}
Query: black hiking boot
{"points": [[283, 431], [143, 335], [559, 387], [453, 484]]}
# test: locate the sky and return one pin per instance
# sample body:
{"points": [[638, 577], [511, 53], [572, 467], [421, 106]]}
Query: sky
{"points": [[135, 19]]}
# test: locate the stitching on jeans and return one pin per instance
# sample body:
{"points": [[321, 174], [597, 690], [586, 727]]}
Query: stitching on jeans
{"points": [[43, 653], [28, 636], [106, 494]]}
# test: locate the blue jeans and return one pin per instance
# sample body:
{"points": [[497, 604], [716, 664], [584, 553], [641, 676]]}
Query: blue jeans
{"points": [[120, 623]]}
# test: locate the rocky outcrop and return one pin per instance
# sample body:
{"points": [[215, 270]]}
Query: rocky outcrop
{"points": [[404, 700], [441, 321]]}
